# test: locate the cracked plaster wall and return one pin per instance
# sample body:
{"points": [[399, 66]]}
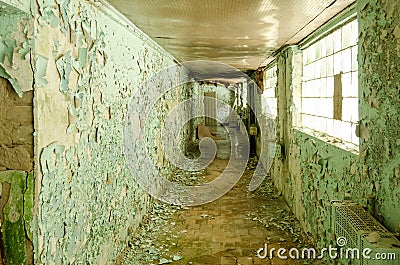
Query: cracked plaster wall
{"points": [[22, 5], [379, 59], [88, 66], [15, 43], [313, 171], [16, 133], [88, 62]]}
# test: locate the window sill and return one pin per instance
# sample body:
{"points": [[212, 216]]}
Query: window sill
{"points": [[350, 147]]}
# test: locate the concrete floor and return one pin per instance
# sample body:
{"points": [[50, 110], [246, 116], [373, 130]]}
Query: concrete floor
{"points": [[229, 230]]}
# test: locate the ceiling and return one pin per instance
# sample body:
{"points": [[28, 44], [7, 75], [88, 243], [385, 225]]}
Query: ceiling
{"points": [[241, 33]]}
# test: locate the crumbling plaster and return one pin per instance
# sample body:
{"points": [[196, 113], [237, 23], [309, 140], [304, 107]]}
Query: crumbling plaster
{"points": [[16, 132], [312, 170], [22, 5], [379, 67], [88, 61], [15, 43]]}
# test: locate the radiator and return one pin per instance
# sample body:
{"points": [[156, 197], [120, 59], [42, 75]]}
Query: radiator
{"points": [[350, 221]]}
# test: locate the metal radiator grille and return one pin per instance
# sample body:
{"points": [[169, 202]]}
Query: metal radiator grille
{"points": [[354, 223], [355, 217]]}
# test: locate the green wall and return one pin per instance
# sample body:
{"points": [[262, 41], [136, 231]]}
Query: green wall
{"points": [[87, 62], [312, 172], [379, 49]]}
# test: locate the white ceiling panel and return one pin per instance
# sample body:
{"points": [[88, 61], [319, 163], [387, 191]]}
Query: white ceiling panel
{"points": [[242, 34]]}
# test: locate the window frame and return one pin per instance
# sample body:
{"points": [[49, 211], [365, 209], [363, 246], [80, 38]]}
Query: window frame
{"points": [[267, 108], [344, 18]]}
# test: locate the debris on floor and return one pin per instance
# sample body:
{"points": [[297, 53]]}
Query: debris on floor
{"points": [[144, 249], [229, 230], [189, 178]]}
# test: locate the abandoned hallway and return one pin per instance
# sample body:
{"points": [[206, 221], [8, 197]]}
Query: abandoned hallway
{"points": [[200, 132], [229, 230]]}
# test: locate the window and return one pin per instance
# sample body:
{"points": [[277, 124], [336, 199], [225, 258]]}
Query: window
{"points": [[329, 97], [269, 102]]}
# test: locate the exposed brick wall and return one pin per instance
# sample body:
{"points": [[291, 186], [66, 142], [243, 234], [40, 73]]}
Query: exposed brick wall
{"points": [[16, 129]]}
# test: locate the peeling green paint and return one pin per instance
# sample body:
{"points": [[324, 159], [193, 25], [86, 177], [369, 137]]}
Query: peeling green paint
{"points": [[22, 5], [64, 66], [380, 105], [312, 172], [14, 45], [13, 81], [41, 68], [88, 65], [7, 50]]}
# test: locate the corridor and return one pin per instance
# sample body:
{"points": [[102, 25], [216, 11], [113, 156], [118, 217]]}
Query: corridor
{"points": [[137, 132], [227, 231]]}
